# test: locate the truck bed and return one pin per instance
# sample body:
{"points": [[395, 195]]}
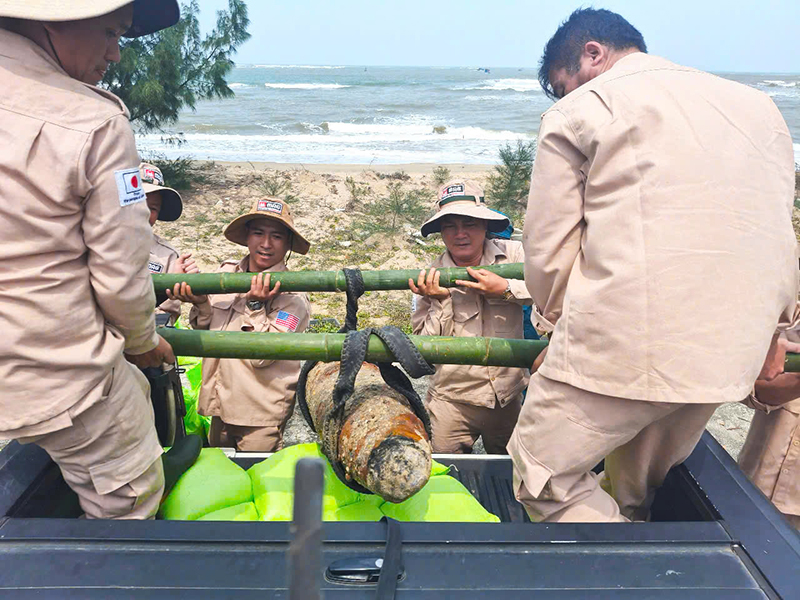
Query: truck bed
{"points": [[713, 536]]}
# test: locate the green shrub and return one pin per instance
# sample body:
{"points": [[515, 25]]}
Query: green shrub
{"points": [[323, 324], [440, 175], [401, 206], [179, 173], [358, 192], [274, 185], [510, 182]]}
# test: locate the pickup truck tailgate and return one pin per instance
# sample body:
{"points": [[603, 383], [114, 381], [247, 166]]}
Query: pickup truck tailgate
{"points": [[715, 536]]}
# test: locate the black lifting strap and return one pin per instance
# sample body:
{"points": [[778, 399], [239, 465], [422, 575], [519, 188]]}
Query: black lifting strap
{"points": [[354, 290], [354, 351]]}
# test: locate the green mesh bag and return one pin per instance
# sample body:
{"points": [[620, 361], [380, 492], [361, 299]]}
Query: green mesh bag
{"points": [[212, 483]]}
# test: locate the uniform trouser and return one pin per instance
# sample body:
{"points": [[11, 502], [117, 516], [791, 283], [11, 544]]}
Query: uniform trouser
{"points": [[456, 426], [563, 432], [267, 438], [110, 455], [770, 458]]}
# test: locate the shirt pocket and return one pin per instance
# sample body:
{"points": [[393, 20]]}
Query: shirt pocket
{"points": [[227, 308], [465, 307], [505, 317]]}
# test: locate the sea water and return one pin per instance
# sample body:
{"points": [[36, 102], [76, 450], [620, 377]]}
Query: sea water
{"points": [[384, 115]]}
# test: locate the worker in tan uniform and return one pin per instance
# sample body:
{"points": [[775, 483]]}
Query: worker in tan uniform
{"points": [[770, 456], [658, 194], [74, 289], [468, 401], [164, 204], [250, 401]]}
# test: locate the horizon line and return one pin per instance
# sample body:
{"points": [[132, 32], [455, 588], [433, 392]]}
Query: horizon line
{"points": [[359, 65]]}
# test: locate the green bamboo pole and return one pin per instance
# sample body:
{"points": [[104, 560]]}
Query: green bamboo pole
{"points": [[792, 364], [327, 347], [322, 281]]}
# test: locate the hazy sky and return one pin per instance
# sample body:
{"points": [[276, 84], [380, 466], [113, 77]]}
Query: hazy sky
{"points": [[714, 35]]}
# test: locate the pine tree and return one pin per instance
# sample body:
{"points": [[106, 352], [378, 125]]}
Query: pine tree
{"points": [[161, 74], [509, 184]]}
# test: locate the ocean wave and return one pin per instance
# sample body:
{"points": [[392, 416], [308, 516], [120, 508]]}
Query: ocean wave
{"points": [[344, 134], [779, 83], [495, 98], [236, 86], [516, 85], [328, 149], [291, 67], [783, 93], [305, 86]]}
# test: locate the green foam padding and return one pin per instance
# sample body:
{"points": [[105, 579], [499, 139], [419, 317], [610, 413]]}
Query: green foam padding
{"points": [[194, 422], [360, 511], [443, 498], [212, 483], [241, 512], [273, 484]]}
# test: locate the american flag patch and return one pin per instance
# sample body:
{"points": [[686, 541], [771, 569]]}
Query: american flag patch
{"points": [[288, 320]]}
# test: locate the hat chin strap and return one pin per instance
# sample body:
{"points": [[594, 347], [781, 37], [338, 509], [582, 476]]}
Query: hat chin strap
{"points": [[291, 243], [53, 48]]}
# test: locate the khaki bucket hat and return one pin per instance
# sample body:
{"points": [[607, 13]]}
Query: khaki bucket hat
{"points": [[153, 181], [149, 16], [266, 208], [465, 198]]}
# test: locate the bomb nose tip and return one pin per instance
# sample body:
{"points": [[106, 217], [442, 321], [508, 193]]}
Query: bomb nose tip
{"points": [[398, 468]]}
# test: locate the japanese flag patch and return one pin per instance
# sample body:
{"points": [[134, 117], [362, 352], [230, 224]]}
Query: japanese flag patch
{"points": [[288, 320], [129, 187]]}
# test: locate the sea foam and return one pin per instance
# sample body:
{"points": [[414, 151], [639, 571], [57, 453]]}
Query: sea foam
{"points": [[305, 86]]}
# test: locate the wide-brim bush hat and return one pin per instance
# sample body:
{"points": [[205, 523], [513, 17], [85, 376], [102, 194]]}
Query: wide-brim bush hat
{"points": [[464, 198], [153, 181], [149, 16], [270, 208]]}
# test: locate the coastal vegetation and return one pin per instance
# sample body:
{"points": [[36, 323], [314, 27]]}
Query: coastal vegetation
{"points": [[509, 184], [161, 74]]}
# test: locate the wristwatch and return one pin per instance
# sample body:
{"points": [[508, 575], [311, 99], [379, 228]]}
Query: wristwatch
{"points": [[255, 304], [507, 295]]}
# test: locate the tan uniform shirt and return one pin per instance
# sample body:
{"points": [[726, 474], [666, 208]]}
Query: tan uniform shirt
{"points": [[469, 314], [249, 392], [162, 257], [659, 195], [74, 290]]}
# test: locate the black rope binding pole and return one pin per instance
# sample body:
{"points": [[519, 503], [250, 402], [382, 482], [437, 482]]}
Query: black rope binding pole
{"points": [[354, 350]]}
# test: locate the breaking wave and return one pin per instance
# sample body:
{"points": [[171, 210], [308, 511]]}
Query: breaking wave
{"points": [[305, 86]]}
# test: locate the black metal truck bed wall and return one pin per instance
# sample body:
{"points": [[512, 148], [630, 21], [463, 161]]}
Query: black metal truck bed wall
{"points": [[716, 537]]}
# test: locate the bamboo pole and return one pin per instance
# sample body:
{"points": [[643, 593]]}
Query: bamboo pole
{"points": [[322, 281], [327, 347]]}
